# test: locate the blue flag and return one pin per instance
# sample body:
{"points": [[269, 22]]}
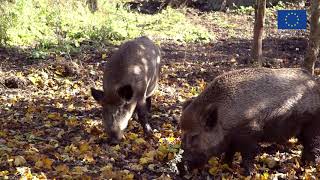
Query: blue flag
{"points": [[292, 19]]}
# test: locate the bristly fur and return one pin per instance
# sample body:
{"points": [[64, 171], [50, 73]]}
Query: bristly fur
{"points": [[254, 105], [130, 78]]}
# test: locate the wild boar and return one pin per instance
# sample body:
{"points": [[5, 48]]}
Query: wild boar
{"points": [[241, 108], [130, 78]]}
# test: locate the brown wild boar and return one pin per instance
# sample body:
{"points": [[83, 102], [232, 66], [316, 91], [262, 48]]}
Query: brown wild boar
{"points": [[241, 108], [130, 78]]}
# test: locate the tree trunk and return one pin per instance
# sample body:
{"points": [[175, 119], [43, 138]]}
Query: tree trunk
{"points": [[258, 31], [93, 5], [313, 46]]}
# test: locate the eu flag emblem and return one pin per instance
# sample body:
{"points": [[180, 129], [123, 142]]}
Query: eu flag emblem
{"points": [[292, 19]]}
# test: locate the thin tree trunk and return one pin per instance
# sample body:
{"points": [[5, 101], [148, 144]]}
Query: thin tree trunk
{"points": [[258, 31], [313, 46], [93, 5], [175, 3]]}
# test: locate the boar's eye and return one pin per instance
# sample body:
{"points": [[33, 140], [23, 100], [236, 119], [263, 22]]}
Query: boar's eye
{"points": [[194, 139], [126, 92], [98, 95], [211, 119]]}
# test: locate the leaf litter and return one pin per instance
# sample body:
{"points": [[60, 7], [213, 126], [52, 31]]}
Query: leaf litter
{"points": [[51, 127]]}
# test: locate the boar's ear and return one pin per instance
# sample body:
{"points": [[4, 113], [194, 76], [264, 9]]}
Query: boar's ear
{"points": [[211, 119], [97, 95], [186, 104], [126, 92]]}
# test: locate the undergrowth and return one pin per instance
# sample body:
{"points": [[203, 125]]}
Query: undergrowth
{"points": [[64, 25]]}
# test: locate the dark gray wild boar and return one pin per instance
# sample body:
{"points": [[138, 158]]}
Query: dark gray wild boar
{"points": [[130, 78], [243, 107]]}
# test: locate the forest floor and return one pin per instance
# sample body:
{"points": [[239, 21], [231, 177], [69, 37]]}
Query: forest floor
{"points": [[51, 126]]}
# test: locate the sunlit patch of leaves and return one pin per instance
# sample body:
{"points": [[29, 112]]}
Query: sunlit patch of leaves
{"points": [[50, 139], [55, 130]]}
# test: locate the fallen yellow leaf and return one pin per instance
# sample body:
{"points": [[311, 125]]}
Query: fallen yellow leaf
{"points": [[84, 147], [213, 161], [4, 173], [47, 162], [143, 160], [25, 172], [3, 134], [88, 158], [19, 74], [132, 136], [128, 176], [140, 141], [213, 171], [39, 164], [103, 56], [54, 116], [150, 154], [265, 176], [70, 107], [33, 80], [107, 172], [19, 160], [79, 170], [136, 167], [115, 148], [171, 139], [72, 121], [62, 168], [164, 177]]}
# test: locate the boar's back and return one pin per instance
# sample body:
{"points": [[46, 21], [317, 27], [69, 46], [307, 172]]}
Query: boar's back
{"points": [[259, 98], [137, 62]]}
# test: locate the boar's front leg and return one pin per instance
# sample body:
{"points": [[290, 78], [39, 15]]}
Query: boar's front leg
{"points": [[228, 156], [148, 101], [248, 151], [143, 115]]}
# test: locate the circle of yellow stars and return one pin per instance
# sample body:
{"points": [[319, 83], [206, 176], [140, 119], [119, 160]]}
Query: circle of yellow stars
{"points": [[293, 14]]}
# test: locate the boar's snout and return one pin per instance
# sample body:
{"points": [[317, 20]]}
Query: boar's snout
{"points": [[115, 136], [194, 160], [191, 157]]}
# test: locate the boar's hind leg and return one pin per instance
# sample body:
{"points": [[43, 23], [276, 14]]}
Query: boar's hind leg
{"points": [[143, 114], [310, 138]]}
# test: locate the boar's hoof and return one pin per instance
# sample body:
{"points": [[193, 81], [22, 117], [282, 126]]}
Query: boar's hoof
{"points": [[194, 161], [147, 130], [182, 168], [247, 172], [248, 169], [228, 158], [113, 141]]}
